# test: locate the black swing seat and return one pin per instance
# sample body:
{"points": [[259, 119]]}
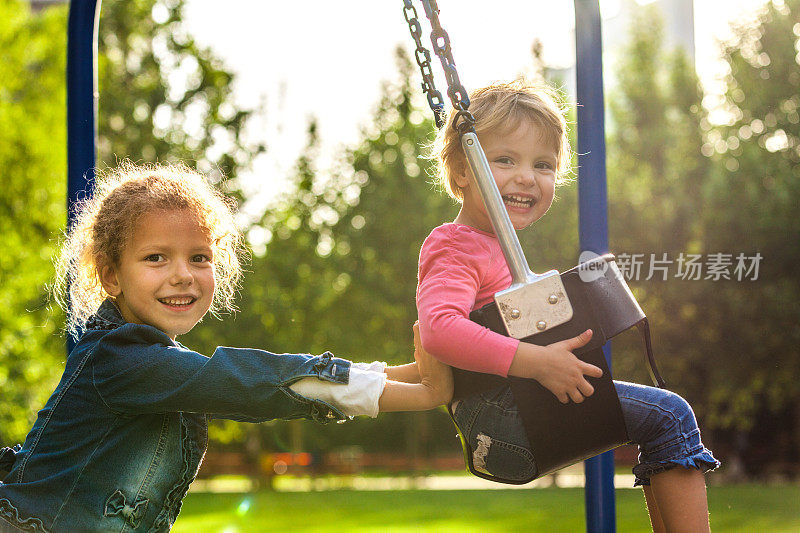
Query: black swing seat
{"points": [[564, 434]]}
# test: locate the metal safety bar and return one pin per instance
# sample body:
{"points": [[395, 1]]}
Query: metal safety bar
{"points": [[504, 230]]}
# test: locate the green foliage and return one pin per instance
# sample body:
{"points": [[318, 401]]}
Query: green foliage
{"points": [[681, 184], [377, 240], [655, 177], [753, 198], [162, 98], [32, 207]]}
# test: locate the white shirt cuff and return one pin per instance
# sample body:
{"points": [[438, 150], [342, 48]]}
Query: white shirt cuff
{"points": [[375, 366], [359, 397]]}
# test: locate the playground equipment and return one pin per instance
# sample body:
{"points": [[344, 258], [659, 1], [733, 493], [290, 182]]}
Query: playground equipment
{"points": [[82, 98]]}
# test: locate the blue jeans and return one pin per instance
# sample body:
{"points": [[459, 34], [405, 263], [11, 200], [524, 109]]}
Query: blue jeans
{"points": [[659, 421]]}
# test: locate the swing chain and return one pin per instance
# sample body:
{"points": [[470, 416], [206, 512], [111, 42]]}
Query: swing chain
{"points": [[464, 121], [423, 57]]}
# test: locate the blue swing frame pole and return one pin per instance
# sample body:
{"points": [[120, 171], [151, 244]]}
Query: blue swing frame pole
{"points": [[593, 221], [82, 98]]}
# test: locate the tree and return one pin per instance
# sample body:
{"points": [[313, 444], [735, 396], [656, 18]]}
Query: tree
{"points": [[752, 203], [163, 97], [655, 175], [146, 113], [680, 184], [32, 207]]}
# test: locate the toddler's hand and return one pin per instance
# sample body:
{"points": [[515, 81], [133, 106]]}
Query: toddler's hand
{"points": [[434, 374], [557, 368]]}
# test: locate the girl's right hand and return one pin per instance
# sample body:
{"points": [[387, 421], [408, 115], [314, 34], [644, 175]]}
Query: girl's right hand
{"points": [[433, 385], [557, 368]]}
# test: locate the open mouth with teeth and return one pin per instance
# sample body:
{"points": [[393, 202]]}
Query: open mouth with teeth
{"points": [[512, 200], [178, 302]]}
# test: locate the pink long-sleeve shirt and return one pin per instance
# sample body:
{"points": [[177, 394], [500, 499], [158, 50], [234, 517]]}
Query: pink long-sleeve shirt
{"points": [[460, 269]]}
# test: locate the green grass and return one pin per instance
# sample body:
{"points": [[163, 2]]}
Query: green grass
{"points": [[744, 508]]}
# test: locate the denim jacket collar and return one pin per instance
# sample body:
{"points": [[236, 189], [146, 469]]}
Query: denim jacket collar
{"points": [[107, 317]]}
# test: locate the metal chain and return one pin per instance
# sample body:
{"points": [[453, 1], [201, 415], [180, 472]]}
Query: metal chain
{"points": [[464, 121], [423, 57]]}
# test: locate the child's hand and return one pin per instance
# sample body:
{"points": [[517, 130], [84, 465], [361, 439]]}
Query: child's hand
{"points": [[434, 374], [417, 386], [557, 368]]}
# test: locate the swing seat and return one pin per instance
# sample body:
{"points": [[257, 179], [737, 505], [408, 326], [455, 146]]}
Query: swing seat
{"points": [[564, 434]]}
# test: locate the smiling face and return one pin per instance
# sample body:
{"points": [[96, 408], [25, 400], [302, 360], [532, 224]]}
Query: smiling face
{"points": [[523, 163], [165, 275]]}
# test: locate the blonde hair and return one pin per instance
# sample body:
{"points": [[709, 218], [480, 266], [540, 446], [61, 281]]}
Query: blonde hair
{"points": [[502, 107], [105, 222]]}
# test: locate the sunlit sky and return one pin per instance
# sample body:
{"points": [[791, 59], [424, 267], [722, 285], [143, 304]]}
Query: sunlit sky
{"points": [[328, 59]]}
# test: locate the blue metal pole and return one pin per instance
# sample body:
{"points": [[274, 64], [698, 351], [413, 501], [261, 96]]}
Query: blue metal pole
{"points": [[593, 221], [81, 98], [84, 16]]}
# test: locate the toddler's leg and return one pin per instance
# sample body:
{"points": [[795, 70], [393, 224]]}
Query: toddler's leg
{"points": [[681, 502], [664, 426], [652, 510]]}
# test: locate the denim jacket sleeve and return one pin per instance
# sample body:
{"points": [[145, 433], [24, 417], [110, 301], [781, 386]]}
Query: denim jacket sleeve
{"points": [[139, 369]]}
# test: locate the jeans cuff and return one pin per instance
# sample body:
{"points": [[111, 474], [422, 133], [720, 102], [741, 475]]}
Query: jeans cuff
{"points": [[703, 461]]}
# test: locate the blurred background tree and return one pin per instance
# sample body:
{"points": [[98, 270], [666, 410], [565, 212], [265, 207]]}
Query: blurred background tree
{"points": [[682, 184], [163, 98], [655, 175], [32, 207], [752, 206]]}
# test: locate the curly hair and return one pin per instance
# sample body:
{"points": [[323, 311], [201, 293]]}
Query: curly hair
{"points": [[501, 107], [105, 221]]}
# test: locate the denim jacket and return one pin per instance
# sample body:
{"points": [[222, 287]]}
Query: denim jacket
{"points": [[123, 435]]}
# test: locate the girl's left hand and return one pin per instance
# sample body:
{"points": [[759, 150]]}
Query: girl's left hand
{"points": [[434, 374]]}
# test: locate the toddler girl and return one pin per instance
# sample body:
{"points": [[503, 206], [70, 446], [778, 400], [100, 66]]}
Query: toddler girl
{"points": [[123, 435], [461, 266]]}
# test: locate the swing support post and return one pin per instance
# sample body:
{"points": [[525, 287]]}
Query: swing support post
{"points": [[593, 221], [82, 96]]}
